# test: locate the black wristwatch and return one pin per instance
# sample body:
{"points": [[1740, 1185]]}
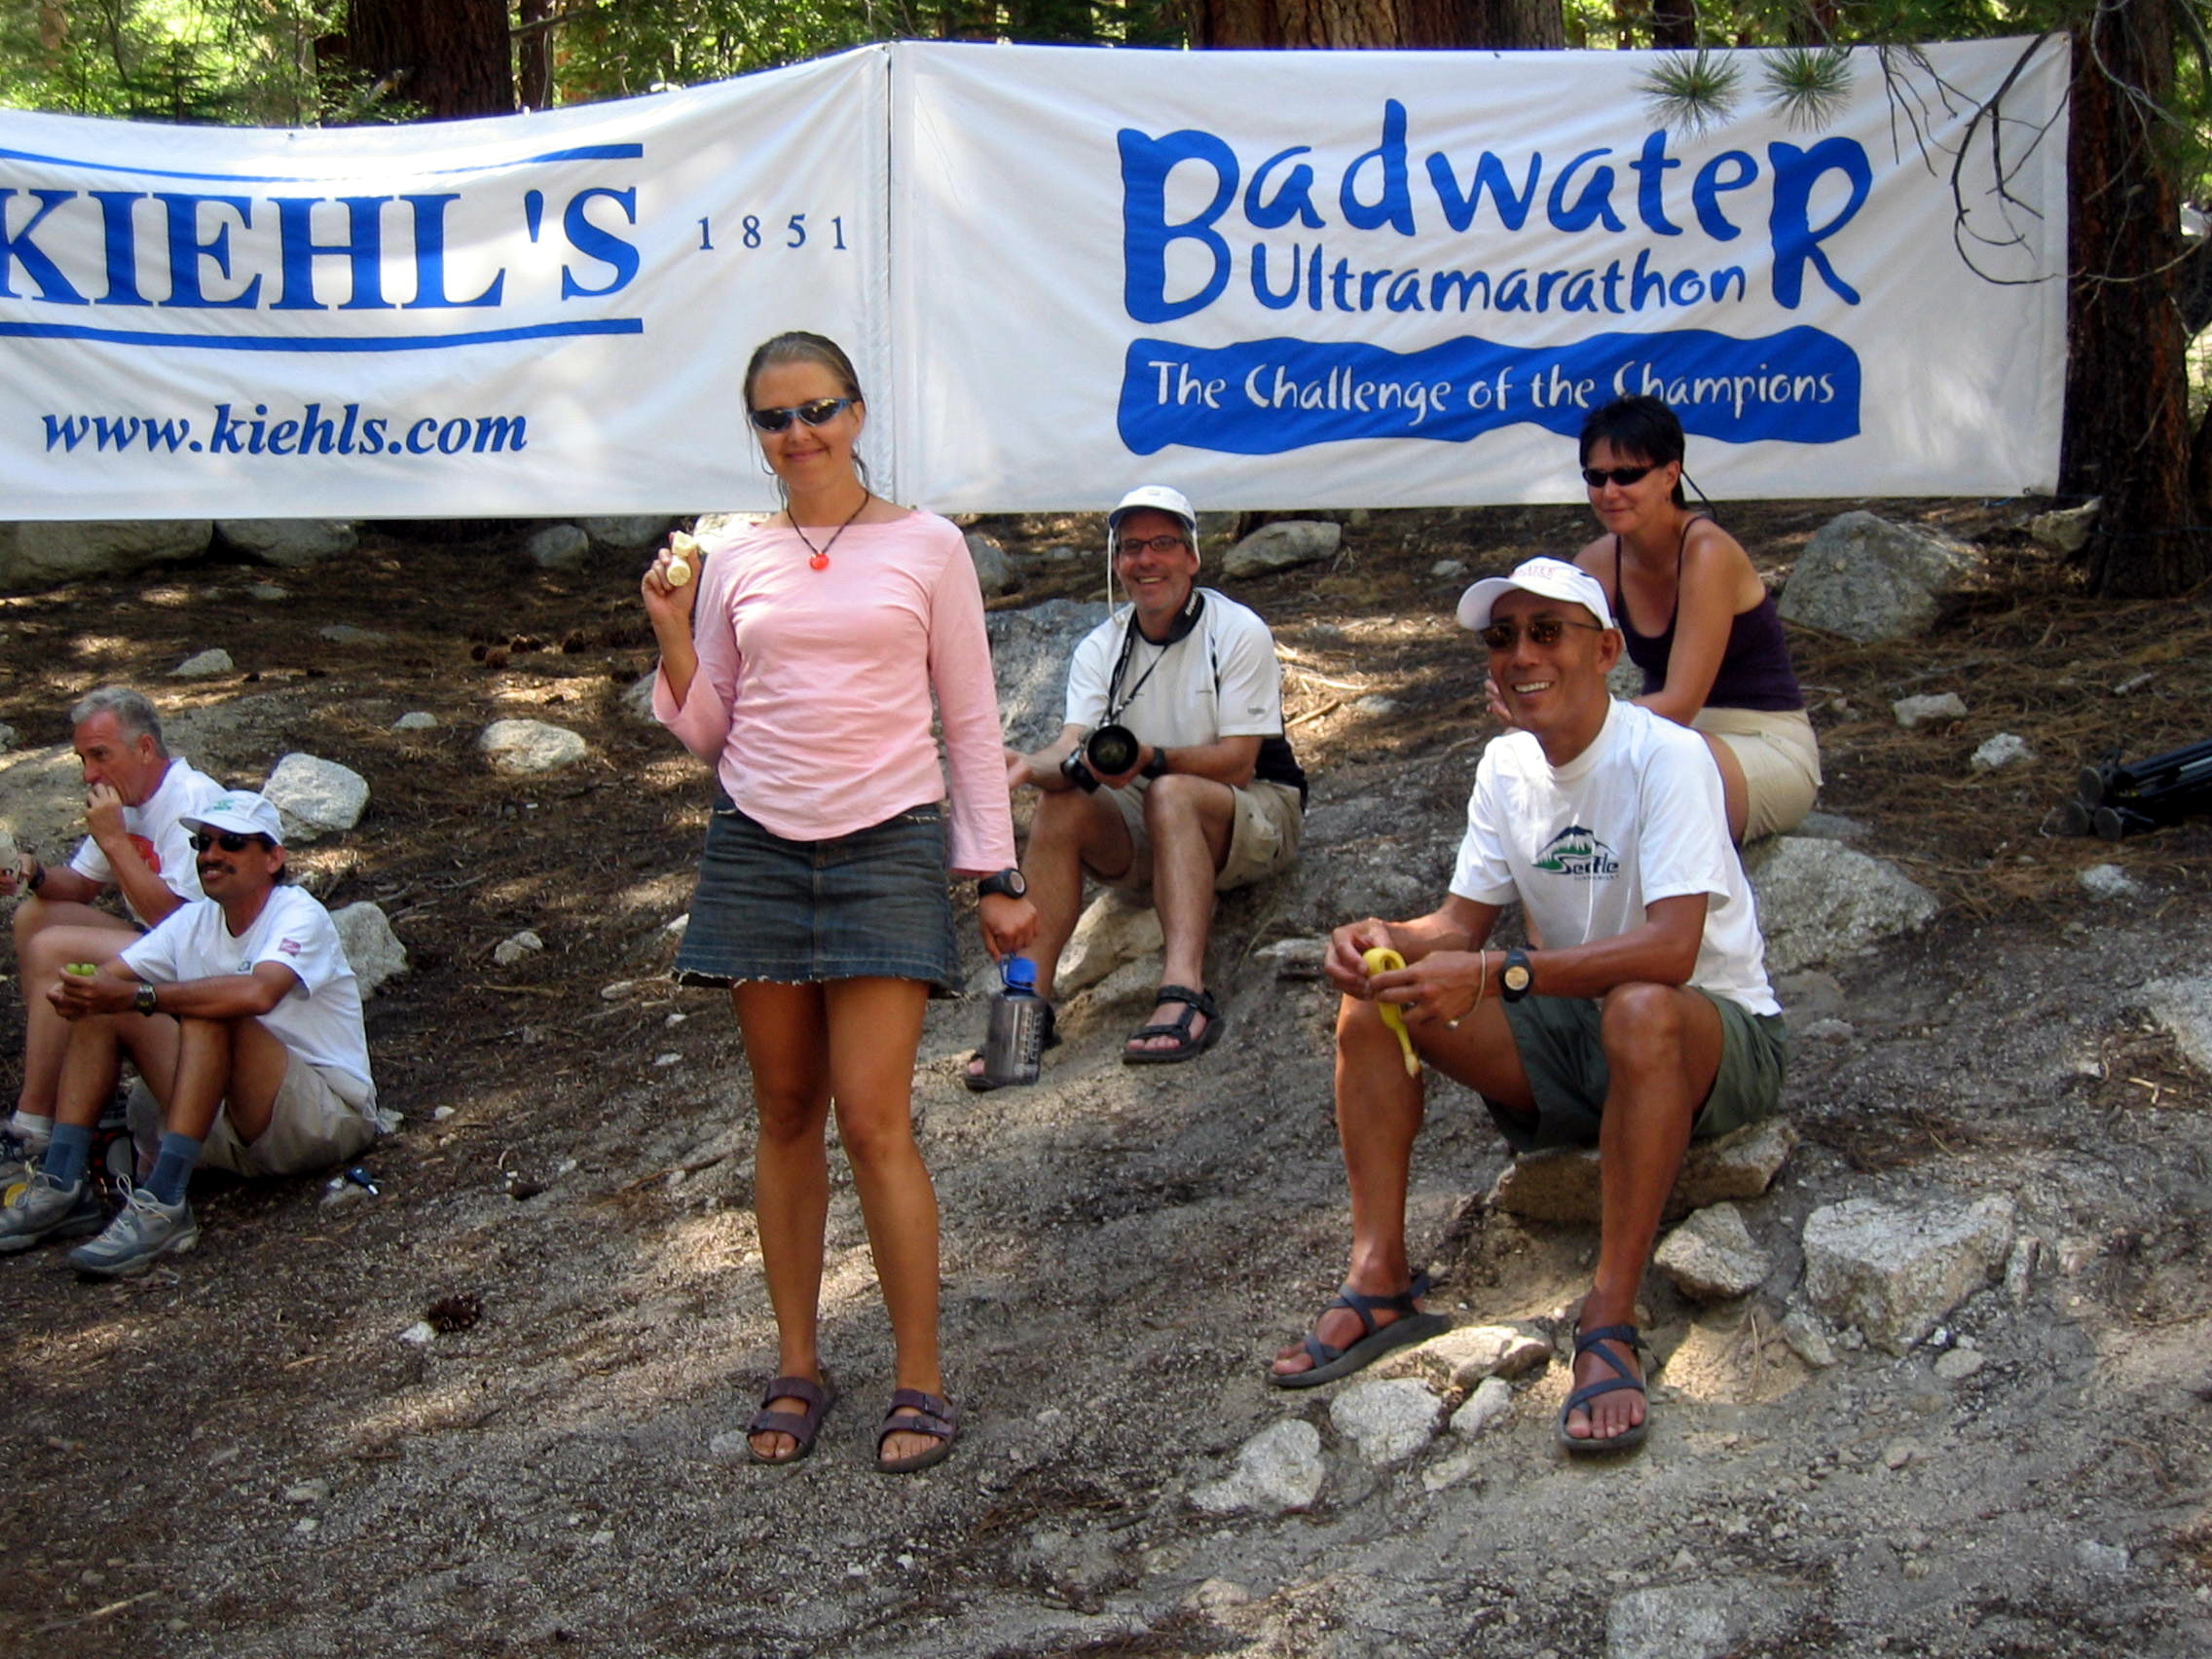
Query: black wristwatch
{"points": [[1157, 766], [1517, 978], [37, 877], [142, 999], [1007, 881]]}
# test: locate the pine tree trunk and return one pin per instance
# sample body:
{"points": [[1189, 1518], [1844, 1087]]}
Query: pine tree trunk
{"points": [[2127, 436], [1405, 24], [451, 57], [534, 54]]}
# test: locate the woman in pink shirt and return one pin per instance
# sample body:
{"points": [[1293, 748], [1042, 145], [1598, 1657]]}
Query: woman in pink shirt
{"points": [[800, 662]]}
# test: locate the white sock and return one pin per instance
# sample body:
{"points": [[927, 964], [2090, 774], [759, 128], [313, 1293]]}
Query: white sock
{"points": [[32, 1130]]}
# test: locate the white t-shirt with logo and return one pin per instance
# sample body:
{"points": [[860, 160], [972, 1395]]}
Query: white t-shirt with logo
{"points": [[1219, 679], [319, 1018], [156, 829], [1586, 847]]}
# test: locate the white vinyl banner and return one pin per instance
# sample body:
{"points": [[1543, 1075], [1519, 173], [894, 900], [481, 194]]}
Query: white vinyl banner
{"points": [[536, 315], [1271, 278], [1366, 278]]}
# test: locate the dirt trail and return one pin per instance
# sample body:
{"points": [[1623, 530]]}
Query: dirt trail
{"points": [[241, 1455]]}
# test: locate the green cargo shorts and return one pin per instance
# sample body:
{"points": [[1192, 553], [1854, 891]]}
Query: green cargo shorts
{"points": [[1557, 1039]]}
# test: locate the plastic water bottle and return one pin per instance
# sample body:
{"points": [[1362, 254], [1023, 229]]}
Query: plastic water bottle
{"points": [[1014, 1047]]}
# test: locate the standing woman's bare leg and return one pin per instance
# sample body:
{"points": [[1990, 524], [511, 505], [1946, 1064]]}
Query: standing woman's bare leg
{"points": [[875, 1027], [786, 1032]]}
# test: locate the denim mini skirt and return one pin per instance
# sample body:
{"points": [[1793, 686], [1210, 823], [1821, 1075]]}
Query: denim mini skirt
{"points": [[872, 905]]}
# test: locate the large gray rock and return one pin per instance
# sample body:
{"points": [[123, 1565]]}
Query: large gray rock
{"points": [[993, 572], [1562, 1185], [46, 555], [1113, 931], [1281, 546], [1387, 1419], [1866, 578], [626, 534], [559, 547], [1712, 1258], [1030, 650], [290, 544], [2066, 529], [1820, 900], [372, 949], [315, 796], [1277, 1469], [1702, 1620], [203, 665], [2184, 1008], [1894, 1271], [1914, 712], [531, 746]]}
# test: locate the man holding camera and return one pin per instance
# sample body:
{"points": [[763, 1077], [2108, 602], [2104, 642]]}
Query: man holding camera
{"points": [[1171, 776]]}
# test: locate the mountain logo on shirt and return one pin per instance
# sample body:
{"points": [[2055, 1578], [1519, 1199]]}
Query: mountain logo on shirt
{"points": [[1576, 853]]}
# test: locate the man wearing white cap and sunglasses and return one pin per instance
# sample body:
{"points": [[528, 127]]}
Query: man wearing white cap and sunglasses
{"points": [[1644, 1018], [244, 1020], [1171, 776]]}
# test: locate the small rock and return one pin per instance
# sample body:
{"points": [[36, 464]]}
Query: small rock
{"points": [[616, 990], [1387, 1419], [531, 746], [414, 720], [420, 1334], [1375, 704], [308, 1492], [729, 1447], [1960, 1364], [559, 547], [1277, 1469], [1463, 1357], [677, 928], [1915, 712], [2065, 530], [2005, 749], [1295, 958], [2100, 1558], [1281, 545], [2109, 881], [1897, 1454], [346, 634], [993, 573], [202, 666], [513, 948], [2020, 1269], [1490, 1404], [440, 1114], [372, 950], [305, 1525], [6, 737], [626, 533], [1562, 1185], [267, 593], [315, 797], [1806, 1340], [1448, 570], [1893, 1270], [1828, 1031], [1711, 1256]]}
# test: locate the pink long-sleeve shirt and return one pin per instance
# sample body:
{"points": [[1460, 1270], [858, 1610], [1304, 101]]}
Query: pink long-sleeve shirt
{"points": [[812, 698]]}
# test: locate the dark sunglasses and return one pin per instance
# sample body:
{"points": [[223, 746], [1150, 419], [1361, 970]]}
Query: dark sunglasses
{"points": [[229, 840], [1542, 631], [819, 413], [1598, 477], [1152, 544]]}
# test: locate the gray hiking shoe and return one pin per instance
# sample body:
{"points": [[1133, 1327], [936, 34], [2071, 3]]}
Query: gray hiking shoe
{"points": [[145, 1229], [18, 1158], [47, 1209]]}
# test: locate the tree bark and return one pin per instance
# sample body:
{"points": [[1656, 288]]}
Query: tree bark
{"points": [[2127, 434], [534, 54], [451, 57], [1403, 24]]}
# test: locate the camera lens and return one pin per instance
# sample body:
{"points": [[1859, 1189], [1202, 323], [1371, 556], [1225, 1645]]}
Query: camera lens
{"points": [[1112, 749]]}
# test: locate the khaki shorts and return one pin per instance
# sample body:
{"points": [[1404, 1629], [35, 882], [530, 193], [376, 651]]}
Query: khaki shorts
{"points": [[1557, 1040], [1263, 838], [311, 1126], [1780, 760]]}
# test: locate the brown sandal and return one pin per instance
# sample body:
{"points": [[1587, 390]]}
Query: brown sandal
{"points": [[801, 1426], [937, 1419]]}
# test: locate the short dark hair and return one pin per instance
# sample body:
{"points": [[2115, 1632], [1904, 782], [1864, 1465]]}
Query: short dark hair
{"points": [[1642, 428]]}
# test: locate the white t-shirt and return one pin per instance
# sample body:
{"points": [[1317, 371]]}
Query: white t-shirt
{"points": [[1586, 847], [1219, 679], [155, 829], [319, 1018]]}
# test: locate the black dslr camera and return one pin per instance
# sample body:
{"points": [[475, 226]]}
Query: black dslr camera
{"points": [[1112, 749]]}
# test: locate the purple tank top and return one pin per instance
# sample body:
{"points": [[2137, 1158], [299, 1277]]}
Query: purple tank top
{"points": [[1754, 666]]}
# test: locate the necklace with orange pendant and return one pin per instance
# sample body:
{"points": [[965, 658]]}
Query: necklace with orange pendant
{"points": [[820, 560]]}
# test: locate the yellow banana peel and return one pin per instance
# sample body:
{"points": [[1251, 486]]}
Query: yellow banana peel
{"points": [[1383, 960]]}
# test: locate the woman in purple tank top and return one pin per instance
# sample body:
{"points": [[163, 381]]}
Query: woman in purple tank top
{"points": [[1696, 617]]}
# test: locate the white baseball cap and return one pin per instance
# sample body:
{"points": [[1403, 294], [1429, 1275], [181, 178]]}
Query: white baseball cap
{"points": [[1159, 499], [242, 813], [1552, 579]]}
